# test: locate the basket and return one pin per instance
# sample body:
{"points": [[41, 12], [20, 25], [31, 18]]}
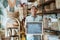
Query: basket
{"points": [[12, 14], [12, 22]]}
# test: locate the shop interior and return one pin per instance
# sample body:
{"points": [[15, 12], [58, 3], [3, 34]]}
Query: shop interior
{"points": [[16, 20]]}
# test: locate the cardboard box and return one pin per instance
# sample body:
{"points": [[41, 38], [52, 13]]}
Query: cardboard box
{"points": [[45, 22], [54, 26], [57, 4], [59, 23], [52, 6], [47, 8]]}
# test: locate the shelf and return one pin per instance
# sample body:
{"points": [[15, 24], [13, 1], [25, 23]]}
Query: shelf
{"points": [[47, 2], [14, 36], [51, 30], [52, 11], [39, 13], [12, 28], [31, 0]]}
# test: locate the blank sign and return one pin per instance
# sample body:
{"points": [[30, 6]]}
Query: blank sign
{"points": [[34, 28]]}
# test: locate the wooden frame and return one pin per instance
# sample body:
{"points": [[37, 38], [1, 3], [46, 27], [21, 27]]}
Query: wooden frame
{"points": [[31, 31]]}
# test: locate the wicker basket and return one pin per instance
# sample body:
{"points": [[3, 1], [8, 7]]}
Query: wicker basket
{"points": [[12, 23], [13, 14]]}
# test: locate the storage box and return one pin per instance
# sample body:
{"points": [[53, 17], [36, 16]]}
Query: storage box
{"points": [[54, 26], [52, 6], [39, 10], [59, 23], [47, 8], [39, 1], [57, 4], [51, 37], [45, 23], [45, 37]]}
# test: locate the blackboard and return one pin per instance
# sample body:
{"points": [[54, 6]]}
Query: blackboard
{"points": [[34, 28]]}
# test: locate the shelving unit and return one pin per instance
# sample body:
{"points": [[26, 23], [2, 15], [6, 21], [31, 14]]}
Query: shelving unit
{"points": [[50, 12], [43, 4], [55, 11], [47, 2], [51, 30]]}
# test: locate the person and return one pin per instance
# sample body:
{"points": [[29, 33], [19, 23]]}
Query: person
{"points": [[33, 16]]}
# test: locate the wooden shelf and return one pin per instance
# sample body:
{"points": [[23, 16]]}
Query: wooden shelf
{"points": [[46, 28], [52, 11], [51, 30], [39, 13], [31, 0], [47, 2], [14, 36], [12, 27]]}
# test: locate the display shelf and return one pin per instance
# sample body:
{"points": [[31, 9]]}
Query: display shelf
{"points": [[52, 11], [51, 30], [12, 28], [31, 0], [47, 2], [39, 13], [14, 36]]}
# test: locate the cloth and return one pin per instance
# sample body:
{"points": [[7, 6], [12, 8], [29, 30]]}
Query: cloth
{"points": [[32, 19]]}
